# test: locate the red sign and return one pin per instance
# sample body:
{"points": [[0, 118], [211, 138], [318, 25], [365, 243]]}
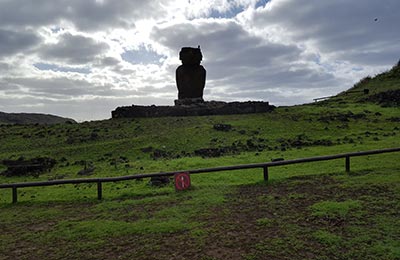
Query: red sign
{"points": [[182, 181]]}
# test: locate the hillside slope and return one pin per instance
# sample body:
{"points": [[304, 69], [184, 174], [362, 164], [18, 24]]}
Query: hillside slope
{"points": [[32, 118], [382, 89]]}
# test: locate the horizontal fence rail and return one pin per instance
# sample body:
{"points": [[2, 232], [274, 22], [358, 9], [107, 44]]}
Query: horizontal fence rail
{"points": [[263, 165]]}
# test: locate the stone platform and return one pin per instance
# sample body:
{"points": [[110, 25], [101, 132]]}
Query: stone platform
{"points": [[195, 109]]}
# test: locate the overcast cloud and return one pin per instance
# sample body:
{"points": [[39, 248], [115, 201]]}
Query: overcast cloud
{"points": [[82, 59]]}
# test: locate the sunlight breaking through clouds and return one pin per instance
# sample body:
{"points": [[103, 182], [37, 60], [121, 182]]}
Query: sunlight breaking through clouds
{"points": [[58, 56]]}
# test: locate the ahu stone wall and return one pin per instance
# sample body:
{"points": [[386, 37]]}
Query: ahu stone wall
{"points": [[193, 109]]}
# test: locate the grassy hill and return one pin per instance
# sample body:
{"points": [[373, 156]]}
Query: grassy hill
{"points": [[31, 118], [306, 211], [383, 89]]}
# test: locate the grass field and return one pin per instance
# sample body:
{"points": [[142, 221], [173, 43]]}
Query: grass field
{"points": [[306, 211]]}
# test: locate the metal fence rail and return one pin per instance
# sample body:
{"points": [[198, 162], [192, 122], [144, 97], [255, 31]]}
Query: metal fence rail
{"points": [[264, 166]]}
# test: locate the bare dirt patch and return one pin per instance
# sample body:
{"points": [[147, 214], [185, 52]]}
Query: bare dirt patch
{"points": [[264, 221], [275, 221]]}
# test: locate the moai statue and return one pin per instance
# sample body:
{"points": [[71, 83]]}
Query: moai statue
{"points": [[190, 76]]}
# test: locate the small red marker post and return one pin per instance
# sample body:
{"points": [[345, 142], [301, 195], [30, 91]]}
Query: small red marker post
{"points": [[182, 181]]}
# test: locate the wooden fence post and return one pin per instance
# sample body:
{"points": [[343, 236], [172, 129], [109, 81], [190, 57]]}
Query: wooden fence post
{"points": [[347, 163], [14, 195], [266, 175], [99, 190]]}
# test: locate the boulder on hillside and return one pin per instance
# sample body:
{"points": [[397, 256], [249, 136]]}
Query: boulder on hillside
{"points": [[389, 98], [23, 167]]}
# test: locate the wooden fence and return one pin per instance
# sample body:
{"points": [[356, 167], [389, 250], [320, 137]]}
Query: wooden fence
{"points": [[264, 166]]}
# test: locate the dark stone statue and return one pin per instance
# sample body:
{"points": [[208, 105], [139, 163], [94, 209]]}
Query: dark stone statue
{"points": [[190, 80], [190, 76]]}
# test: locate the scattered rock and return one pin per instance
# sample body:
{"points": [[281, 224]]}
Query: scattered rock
{"points": [[159, 181], [394, 119], [147, 149], [389, 98], [342, 117], [23, 167], [123, 159], [222, 127], [94, 136], [80, 162], [323, 142], [215, 152], [57, 177], [87, 171]]}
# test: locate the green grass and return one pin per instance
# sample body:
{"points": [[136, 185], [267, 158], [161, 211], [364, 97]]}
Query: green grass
{"points": [[334, 209], [265, 222], [311, 207], [326, 237]]}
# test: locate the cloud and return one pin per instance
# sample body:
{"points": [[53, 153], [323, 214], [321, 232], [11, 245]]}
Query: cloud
{"points": [[211, 8], [100, 108], [15, 42], [55, 87], [88, 15], [243, 63], [80, 108], [108, 61], [73, 49], [84, 58], [224, 42], [336, 28]]}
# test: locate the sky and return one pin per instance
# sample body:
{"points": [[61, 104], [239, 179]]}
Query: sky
{"points": [[83, 58]]}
